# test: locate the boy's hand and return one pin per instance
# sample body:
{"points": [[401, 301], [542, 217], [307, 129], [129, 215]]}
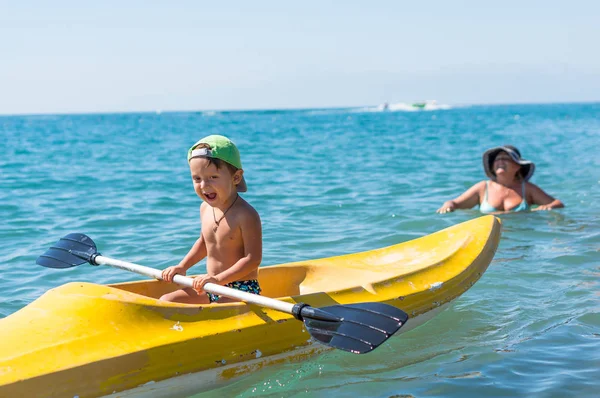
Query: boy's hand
{"points": [[202, 280], [170, 272]]}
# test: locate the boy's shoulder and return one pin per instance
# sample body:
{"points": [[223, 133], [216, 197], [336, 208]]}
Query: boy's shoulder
{"points": [[203, 206], [246, 210]]}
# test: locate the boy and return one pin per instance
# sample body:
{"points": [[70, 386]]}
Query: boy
{"points": [[231, 235]]}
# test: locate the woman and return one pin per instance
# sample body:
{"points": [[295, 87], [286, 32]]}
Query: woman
{"points": [[508, 189]]}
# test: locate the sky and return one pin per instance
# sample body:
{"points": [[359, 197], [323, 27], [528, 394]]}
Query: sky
{"points": [[126, 56]]}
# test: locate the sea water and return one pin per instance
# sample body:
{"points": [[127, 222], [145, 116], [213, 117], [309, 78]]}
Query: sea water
{"points": [[328, 182]]}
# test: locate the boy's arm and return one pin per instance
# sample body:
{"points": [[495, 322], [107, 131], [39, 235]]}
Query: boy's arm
{"points": [[252, 236], [196, 253], [198, 250]]}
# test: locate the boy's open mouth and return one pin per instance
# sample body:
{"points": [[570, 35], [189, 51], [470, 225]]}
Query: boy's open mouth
{"points": [[210, 196]]}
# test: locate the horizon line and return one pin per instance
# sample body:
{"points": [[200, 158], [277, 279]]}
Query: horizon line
{"points": [[275, 109]]}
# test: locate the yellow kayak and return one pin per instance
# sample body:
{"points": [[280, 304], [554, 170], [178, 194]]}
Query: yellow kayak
{"points": [[89, 340]]}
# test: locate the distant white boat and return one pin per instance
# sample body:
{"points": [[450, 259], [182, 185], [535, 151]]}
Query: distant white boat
{"points": [[427, 105]]}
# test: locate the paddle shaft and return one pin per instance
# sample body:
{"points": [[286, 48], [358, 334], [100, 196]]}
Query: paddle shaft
{"points": [[357, 328], [188, 282]]}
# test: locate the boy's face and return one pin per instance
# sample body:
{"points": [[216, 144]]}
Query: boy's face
{"points": [[214, 186]]}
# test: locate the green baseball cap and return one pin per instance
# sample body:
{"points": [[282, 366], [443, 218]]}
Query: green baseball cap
{"points": [[220, 148]]}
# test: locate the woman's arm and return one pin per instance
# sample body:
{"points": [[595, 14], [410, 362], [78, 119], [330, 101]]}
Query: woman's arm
{"points": [[542, 199], [467, 200]]}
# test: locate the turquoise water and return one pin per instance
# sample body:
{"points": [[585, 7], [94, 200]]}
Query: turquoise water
{"points": [[329, 182]]}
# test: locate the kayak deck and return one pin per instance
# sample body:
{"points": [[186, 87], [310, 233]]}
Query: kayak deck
{"points": [[370, 269]]}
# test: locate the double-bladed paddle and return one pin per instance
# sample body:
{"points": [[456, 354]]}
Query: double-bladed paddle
{"points": [[357, 328]]}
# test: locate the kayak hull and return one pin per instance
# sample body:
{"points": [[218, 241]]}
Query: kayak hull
{"points": [[91, 340], [194, 383]]}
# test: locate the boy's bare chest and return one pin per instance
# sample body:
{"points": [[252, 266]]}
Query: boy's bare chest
{"points": [[222, 232]]}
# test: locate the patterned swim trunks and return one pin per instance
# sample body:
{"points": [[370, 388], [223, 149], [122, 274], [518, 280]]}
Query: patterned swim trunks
{"points": [[250, 286]]}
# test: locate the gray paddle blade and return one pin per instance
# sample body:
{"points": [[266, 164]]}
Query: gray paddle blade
{"points": [[360, 328], [70, 251]]}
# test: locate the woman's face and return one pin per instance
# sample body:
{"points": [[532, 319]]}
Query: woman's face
{"points": [[504, 165]]}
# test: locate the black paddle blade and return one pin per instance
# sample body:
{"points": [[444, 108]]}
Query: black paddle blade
{"points": [[70, 251], [360, 328]]}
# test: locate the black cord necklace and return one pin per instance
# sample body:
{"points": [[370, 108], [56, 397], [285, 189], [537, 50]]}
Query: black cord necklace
{"points": [[217, 222]]}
